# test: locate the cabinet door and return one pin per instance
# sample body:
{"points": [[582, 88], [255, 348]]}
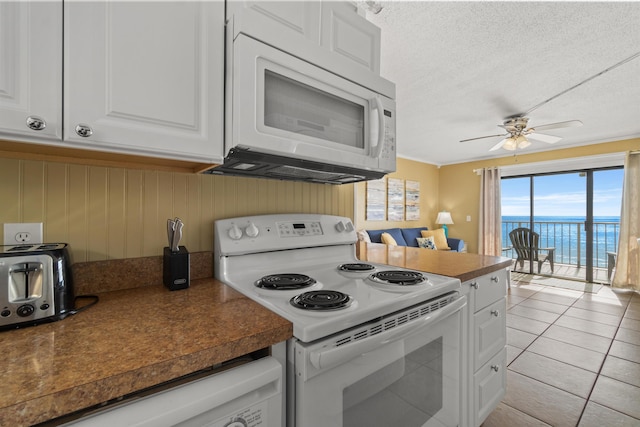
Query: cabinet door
{"points": [[281, 23], [145, 78], [490, 385], [31, 70], [350, 35], [490, 331], [490, 288]]}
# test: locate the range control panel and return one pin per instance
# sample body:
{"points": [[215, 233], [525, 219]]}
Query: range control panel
{"points": [[262, 233], [297, 229]]}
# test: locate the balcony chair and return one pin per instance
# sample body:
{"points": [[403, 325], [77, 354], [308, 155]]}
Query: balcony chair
{"points": [[525, 243]]}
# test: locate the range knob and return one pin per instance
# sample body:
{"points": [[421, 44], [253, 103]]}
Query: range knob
{"points": [[235, 233], [25, 310], [252, 230]]}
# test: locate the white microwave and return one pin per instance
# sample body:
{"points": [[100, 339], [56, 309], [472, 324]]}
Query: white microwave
{"points": [[289, 119]]}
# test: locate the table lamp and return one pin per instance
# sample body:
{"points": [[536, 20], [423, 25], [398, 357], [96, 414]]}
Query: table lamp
{"points": [[444, 218]]}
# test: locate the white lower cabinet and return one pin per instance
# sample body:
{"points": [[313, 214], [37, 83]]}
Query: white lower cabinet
{"points": [[485, 381], [489, 386]]}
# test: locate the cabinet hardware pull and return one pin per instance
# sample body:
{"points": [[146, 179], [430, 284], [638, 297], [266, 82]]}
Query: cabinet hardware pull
{"points": [[495, 368], [36, 123], [474, 285], [84, 131], [495, 313], [495, 279]]}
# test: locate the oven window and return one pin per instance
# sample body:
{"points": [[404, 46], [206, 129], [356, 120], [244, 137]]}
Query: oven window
{"points": [[292, 106], [407, 392]]}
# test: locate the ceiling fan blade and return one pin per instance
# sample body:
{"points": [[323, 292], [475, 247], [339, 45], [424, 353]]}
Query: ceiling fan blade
{"points": [[482, 137], [498, 145], [567, 124], [549, 139]]}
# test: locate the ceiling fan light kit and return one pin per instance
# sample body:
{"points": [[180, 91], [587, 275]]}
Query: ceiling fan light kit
{"points": [[517, 133]]}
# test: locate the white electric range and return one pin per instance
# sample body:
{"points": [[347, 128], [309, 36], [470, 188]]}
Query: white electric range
{"points": [[362, 331]]}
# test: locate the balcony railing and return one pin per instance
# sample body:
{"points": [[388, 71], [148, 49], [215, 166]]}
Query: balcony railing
{"points": [[569, 239]]}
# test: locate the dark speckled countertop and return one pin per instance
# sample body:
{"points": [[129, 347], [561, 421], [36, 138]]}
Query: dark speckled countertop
{"points": [[132, 339]]}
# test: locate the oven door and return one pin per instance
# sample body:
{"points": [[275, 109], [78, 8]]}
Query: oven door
{"points": [[285, 106], [408, 375]]}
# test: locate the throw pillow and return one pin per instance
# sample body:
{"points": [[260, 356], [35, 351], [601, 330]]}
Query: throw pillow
{"points": [[426, 242], [388, 240], [363, 236], [438, 237]]}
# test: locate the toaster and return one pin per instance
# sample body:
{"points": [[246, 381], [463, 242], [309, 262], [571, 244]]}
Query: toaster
{"points": [[36, 284]]}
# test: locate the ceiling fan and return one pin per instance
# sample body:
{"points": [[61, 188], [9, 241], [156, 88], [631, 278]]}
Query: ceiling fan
{"points": [[518, 134]]}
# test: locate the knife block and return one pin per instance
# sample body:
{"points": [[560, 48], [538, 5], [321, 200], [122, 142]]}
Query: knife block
{"points": [[175, 268]]}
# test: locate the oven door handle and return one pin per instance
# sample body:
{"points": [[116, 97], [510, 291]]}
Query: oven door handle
{"points": [[322, 359]]}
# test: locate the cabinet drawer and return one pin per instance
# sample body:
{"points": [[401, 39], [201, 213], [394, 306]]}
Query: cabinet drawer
{"points": [[490, 327], [490, 383], [489, 288]]}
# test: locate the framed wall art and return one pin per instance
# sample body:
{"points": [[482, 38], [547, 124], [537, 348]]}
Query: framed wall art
{"points": [[395, 200], [412, 200], [377, 200]]}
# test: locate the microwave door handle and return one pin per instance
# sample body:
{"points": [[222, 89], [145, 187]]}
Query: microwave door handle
{"points": [[380, 145], [322, 359]]}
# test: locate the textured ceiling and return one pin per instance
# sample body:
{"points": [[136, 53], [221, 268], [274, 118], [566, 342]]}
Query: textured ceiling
{"points": [[461, 68]]}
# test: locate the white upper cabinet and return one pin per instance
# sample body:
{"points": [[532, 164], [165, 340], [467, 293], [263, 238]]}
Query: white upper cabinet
{"points": [[330, 34], [350, 35], [30, 70], [145, 78]]}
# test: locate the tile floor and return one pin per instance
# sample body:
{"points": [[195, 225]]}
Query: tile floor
{"points": [[573, 358]]}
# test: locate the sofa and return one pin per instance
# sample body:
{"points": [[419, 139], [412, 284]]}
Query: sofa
{"points": [[407, 237]]}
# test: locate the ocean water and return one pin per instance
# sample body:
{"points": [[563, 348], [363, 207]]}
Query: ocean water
{"points": [[567, 235]]}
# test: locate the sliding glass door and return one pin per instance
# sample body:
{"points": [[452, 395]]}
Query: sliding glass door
{"points": [[567, 223]]}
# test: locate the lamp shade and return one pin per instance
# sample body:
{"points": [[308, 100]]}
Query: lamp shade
{"points": [[444, 218]]}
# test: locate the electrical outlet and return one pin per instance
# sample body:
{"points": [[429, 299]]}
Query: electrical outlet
{"points": [[26, 232]]}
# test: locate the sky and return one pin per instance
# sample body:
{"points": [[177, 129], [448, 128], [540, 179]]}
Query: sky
{"points": [[563, 195]]}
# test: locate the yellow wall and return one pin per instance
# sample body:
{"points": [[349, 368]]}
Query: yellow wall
{"points": [[112, 213], [426, 175], [460, 186]]}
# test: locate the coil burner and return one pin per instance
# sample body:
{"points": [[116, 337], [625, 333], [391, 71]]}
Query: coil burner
{"points": [[285, 282], [356, 267], [321, 300], [398, 278]]}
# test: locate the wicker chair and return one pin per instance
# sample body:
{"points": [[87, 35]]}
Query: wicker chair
{"points": [[525, 243]]}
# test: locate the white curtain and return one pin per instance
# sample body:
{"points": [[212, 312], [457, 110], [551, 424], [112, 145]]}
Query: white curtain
{"points": [[490, 229], [627, 273]]}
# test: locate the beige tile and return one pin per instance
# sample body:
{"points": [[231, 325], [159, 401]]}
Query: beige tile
{"points": [[520, 339], [504, 416], [552, 372], [556, 299], [514, 300], [542, 401], [552, 290], [544, 305], [594, 316], [602, 306], [628, 335], [630, 323], [521, 292], [512, 353], [632, 313], [533, 313], [579, 338], [568, 353], [527, 325], [625, 351], [617, 294], [599, 416], [595, 328], [617, 395], [622, 370]]}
